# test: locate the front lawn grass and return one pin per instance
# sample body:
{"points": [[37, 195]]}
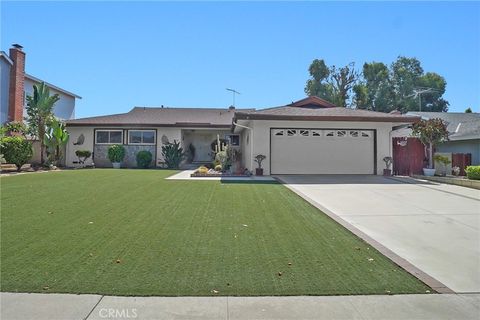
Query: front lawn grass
{"points": [[131, 232]]}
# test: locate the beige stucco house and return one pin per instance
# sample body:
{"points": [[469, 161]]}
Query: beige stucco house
{"points": [[310, 136]]}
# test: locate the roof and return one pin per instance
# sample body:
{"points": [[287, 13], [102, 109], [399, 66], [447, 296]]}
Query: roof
{"points": [[6, 57], [35, 79], [460, 125], [165, 117], [317, 109]]}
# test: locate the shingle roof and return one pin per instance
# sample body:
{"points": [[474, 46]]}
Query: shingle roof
{"points": [[157, 116], [323, 113], [462, 126]]}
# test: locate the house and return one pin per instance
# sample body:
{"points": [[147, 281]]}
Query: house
{"points": [[16, 84], [310, 136], [464, 133]]}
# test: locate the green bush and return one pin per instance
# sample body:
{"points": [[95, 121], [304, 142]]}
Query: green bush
{"points": [[16, 150], [144, 159], [83, 155], [116, 153], [473, 172]]}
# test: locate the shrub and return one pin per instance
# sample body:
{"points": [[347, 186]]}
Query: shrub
{"points": [[144, 159], [202, 170], [83, 155], [16, 150], [218, 167], [173, 154], [116, 153], [473, 172]]}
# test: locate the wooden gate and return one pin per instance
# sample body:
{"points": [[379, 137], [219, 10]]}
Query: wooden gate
{"points": [[408, 156], [461, 160]]}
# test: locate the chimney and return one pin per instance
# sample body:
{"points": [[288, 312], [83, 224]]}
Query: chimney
{"points": [[17, 84]]}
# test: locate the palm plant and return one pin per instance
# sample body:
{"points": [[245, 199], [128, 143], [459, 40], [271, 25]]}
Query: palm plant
{"points": [[56, 136], [40, 113]]}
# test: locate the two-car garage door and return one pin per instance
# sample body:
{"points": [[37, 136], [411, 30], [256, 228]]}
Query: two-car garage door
{"points": [[322, 151]]}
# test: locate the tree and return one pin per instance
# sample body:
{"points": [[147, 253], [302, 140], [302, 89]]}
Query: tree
{"points": [[403, 86], [430, 132], [374, 92], [468, 110], [40, 113], [331, 83], [56, 136]]}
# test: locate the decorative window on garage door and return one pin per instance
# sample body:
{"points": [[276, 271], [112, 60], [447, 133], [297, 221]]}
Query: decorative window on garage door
{"points": [[279, 132], [366, 134], [291, 132]]}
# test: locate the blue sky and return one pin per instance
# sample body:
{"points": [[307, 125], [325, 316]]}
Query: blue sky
{"points": [[120, 55]]}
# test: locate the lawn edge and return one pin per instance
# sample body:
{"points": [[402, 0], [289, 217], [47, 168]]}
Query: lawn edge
{"points": [[395, 258]]}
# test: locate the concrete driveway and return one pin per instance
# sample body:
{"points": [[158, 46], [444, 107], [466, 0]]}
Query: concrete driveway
{"points": [[435, 227]]}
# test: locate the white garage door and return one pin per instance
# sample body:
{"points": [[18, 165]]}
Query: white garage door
{"points": [[322, 151]]}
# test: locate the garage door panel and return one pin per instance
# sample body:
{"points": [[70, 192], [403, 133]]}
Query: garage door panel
{"points": [[346, 152]]}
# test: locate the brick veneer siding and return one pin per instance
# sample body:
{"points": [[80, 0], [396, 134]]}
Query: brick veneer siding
{"points": [[17, 85]]}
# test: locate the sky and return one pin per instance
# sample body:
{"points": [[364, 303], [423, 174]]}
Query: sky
{"points": [[118, 55]]}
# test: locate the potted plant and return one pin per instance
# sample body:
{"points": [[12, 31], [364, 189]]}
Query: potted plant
{"points": [[444, 161], [388, 163], [430, 132], [456, 171], [116, 153], [259, 159]]}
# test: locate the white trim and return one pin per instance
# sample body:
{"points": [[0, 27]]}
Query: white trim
{"points": [[233, 134], [142, 143], [106, 130]]}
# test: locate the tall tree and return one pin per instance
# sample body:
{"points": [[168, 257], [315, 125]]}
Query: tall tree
{"points": [[404, 86], [331, 83], [374, 92], [40, 112], [468, 110]]}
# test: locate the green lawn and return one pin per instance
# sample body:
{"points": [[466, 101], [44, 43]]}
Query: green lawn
{"points": [[65, 231]]}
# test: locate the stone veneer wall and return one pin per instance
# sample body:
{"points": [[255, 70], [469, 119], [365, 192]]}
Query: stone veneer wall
{"points": [[130, 161]]}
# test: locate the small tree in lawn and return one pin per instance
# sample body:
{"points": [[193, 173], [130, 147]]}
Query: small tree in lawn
{"points": [[40, 113], [430, 132]]}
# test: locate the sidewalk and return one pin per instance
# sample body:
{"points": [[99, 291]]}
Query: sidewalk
{"points": [[68, 306]]}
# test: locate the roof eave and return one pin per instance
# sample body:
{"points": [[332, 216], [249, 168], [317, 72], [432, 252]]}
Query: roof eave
{"points": [[29, 76], [326, 118], [139, 125]]}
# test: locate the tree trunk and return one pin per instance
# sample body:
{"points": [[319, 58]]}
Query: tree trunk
{"points": [[430, 155]]}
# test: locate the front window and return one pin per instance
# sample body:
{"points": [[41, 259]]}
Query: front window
{"points": [[141, 137], [108, 136], [234, 139]]}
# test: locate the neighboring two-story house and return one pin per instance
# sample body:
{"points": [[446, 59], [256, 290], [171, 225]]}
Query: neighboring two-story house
{"points": [[16, 84]]}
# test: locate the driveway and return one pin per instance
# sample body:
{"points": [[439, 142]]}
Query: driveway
{"points": [[435, 227]]}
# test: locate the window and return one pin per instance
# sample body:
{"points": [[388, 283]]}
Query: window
{"points": [[291, 132], [365, 134], [279, 133], [141, 136], [108, 136], [316, 133], [341, 133], [233, 139], [330, 134], [354, 134], [304, 133]]}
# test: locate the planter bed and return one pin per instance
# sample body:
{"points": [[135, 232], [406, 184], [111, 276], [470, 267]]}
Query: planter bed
{"points": [[216, 175], [459, 181]]}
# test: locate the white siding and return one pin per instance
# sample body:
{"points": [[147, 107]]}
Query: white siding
{"points": [[64, 108], [262, 136]]}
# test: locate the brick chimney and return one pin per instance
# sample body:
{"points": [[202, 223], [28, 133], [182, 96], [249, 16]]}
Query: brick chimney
{"points": [[17, 84]]}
